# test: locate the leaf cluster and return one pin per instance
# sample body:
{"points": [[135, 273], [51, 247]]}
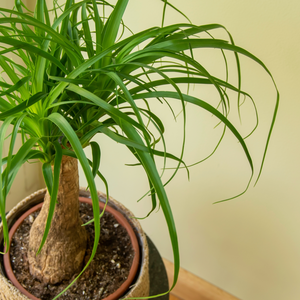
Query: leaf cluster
{"points": [[71, 73]]}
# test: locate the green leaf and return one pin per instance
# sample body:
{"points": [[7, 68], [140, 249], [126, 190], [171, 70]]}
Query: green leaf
{"points": [[24, 153], [3, 130], [96, 153], [48, 176], [11, 149], [39, 15], [54, 192], [129, 99], [128, 142], [87, 33], [99, 29], [175, 8], [151, 170], [24, 105], [112, 25], [15, 87], [109, 109], [205, 106], [32, 49], [14, 78]]}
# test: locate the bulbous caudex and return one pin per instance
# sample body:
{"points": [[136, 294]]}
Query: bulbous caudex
{"points": [[63, 252]]}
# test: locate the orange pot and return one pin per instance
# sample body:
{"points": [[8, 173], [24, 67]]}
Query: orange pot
{"points": [[120, 219]]}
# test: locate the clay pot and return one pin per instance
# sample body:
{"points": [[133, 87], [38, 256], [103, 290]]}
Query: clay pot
{"points": [[122, 215]]}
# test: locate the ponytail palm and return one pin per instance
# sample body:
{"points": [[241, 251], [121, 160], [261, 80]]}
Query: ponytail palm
{"points": [[74, 77]]}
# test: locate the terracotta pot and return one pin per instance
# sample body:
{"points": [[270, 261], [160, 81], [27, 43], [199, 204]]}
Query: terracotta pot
{"points": [[141, 283]]}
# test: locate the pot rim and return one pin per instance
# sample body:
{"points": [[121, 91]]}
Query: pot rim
{"points": [[121, 219]]}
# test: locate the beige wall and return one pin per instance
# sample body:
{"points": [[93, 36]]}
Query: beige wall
{"points": [[29, 177], [249, 246]]}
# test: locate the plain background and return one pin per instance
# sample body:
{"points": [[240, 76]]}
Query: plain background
{"points": [[249, 246]]}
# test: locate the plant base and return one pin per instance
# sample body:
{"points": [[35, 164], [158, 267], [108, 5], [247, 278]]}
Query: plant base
{"points": [[141, 286]]}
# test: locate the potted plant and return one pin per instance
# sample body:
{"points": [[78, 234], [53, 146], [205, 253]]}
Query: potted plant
{"points": [[79, 77]]}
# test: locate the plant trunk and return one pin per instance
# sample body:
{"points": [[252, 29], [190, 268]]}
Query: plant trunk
{"points": [[63, 252]]}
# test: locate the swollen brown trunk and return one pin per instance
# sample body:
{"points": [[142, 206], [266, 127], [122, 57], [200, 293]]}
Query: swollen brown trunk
{"points": [[62, 254]]}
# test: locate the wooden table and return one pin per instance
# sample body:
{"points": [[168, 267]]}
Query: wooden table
{"points": [[191, 287]]}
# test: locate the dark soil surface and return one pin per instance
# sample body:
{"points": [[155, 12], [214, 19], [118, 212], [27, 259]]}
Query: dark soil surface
{"points": [[108, 270]]}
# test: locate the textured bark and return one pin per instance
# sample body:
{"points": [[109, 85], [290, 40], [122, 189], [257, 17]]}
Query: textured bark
{"points": [[62, 254]]}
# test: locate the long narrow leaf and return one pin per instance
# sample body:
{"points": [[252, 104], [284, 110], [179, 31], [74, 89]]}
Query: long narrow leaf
{"points": [[205, 106], [87, 32], [130, 143], [154, 177], [112, 25], [96, 153], [24, 105], [24, 153], [15, 87], [3, 130], [48, 176], [14, 78], [11, 149], [32, 49], [54, 192]]}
